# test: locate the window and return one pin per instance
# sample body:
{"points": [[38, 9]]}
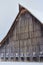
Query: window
{"points": [[12, 58], [6, 59], [16, 58], [22, 58], [2, 57], [34, 58], [41, 59], [28, 59]]}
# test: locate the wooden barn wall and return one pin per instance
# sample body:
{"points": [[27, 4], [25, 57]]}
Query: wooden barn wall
{"points": [[26, 39]]}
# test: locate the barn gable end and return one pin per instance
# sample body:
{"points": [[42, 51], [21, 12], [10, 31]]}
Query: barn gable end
{"points": [[24, 41]]}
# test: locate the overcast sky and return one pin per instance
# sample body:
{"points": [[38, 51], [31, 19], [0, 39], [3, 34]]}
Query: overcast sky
{"points": [[9, 10]]}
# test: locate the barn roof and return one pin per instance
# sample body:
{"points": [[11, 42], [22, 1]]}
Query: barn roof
{"points": [[21, 10]]}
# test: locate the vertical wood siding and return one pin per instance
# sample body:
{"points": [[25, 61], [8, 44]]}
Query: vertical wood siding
{"points": [[26, 39]]}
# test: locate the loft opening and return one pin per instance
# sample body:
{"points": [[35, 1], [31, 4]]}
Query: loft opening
{"points": [[34, 58], [41, 58], [28, 58], [22, 58], [16, 58]]}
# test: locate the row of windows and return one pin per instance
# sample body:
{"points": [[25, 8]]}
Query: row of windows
{"points": [[23, 59]]}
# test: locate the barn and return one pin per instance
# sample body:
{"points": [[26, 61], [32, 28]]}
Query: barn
{"points": [[24, 40]]}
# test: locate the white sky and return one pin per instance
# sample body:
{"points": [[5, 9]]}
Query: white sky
{"points": [[9, 10]]}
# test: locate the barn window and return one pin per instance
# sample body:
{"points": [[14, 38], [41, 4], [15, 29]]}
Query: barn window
{"points": [[28, 59], [34, 58], [6, 59], [16, 58], [2, 57], [41, 58], [12, 58], [22, 58]]}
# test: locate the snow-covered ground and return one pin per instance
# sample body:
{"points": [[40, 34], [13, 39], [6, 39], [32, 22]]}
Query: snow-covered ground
{"points": [[20, 63]]}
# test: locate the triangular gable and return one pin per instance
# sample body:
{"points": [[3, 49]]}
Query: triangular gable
{"points": [[21, 10]]}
